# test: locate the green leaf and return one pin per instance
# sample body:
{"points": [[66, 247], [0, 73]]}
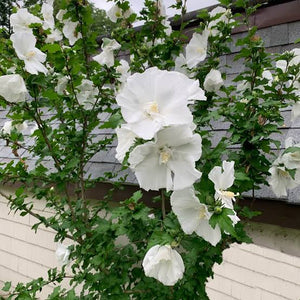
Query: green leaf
{"points": [[241, 176], [7, 286], [51, 48], [114, 121], [223, 221], [292, 150]]}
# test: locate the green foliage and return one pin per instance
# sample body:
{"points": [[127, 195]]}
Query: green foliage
{"points": [[109, 239]]}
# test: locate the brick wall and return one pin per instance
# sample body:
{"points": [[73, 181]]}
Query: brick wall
{"points": [[24, 254], [251, 272], [248, 271]]}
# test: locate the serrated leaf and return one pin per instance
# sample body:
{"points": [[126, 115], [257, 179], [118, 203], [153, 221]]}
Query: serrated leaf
{"points": [[7, 286]]}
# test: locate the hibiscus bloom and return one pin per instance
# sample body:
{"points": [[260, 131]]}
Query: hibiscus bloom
{"points": [[12, 88], [88, 93], [149, 102], [193, 216], [195, 51], [164, 264], [213, 81], [106, 57], [62, 254], [115, 13], [126, 139], [70, 32], [24, 44], [280, 179], [223, 179], [22, 19], [168, 161]]}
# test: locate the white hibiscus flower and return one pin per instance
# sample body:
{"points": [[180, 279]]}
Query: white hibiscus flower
{"points": [[22, 19], [280, 179], [24, 44], [115, 13], [193, 216], [196, 49], [213, 81], [126, 139], [12, 88], [223, 179], [106, 57], [164, 264], [87, 94], [70, 32], [169, 161], [62, 254], [224, 16], [154, 99]]}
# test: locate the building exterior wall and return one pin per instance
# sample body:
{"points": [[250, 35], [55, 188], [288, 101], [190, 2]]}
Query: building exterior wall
{"points": [[249, 271]]}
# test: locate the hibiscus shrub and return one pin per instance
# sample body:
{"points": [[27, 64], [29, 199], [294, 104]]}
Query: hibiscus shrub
{"points": [[162, 103]]}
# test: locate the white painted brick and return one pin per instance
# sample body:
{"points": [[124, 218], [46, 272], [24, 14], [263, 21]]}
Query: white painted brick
{"points": [[31, 269], [241, 291], [257, 280], [270, 296], [13, 276], [6, 214], [217, 295], [20, 231], [271, 254], [220, 284], [28, 251], [8, 260], [262, 264]]}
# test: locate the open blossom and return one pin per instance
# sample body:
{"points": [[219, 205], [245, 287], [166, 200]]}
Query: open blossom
{"points": [[61, 86], [168, 161], [115, 13], [196, 49], [70, 32], [47, 11], [54, 36], [148, 102], [280, 179], [224, 16], [123, 69], [9, 126], [62, 254], [126, 139], [12, 88], [194, 216], [87, 94], [213, 81], [24, 44], [291, 160], [60, 15], [22, 19], [296, 59], [164, 264], [106, 57], [223, 179]]}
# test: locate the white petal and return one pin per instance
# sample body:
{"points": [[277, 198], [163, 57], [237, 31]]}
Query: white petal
{"points": [[184, 171], [211, 235], [12, 88], [126, 139], [186, 206], [151, 175], [164, 264]]}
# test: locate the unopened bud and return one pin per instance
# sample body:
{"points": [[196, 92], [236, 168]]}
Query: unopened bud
{"points": [[218, 210]]}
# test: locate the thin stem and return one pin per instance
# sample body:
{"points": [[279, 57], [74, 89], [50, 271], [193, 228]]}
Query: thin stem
{"points": [[163, 203]]}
